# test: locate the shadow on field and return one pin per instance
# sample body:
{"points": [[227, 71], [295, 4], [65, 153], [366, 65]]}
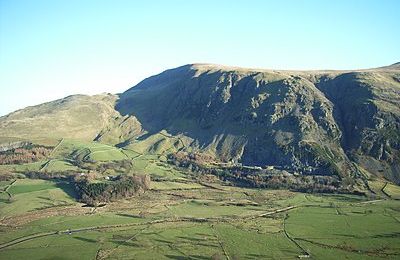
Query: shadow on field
{"points": [[68, 188], [179, 257], [257, 256], [127, 215], [44, 198], [194, 239], [163, 241], [125, 243], [85, 239], [344, 198], [393, 234]]}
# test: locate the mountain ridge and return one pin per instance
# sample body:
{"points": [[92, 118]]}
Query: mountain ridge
{"points": [[344, 123]]}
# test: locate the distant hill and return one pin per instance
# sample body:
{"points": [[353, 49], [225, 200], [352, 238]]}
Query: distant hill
{"points": [[345, 123], [77, 116], [395, 66]]}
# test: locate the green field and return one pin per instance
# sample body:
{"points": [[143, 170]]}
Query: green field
{"points": [[89, 151], [26, 186], [29, 195], [182, 218], [392, 190], [190, 221]]}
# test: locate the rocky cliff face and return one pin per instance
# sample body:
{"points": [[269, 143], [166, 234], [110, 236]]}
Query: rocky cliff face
{"points": [[320, 122], [367, 109]]}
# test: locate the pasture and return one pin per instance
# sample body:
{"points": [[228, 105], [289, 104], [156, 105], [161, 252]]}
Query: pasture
{"points": [[182, 218], [189, 221]]}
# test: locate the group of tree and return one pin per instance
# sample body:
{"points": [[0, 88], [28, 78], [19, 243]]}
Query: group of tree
{"points": [[6, 176], [96, 192], [303, 183], [255, 178], [56, 175], [25, 154]]}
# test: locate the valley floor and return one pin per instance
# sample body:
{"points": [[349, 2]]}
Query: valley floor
{"points": [[191, 221], [181, 218]]}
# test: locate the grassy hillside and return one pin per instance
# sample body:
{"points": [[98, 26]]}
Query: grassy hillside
{"points": [[78, 117]]}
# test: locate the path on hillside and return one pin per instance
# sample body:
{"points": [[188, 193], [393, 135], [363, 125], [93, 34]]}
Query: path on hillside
{"points": [[384, 192], [51, 153], [58, 145], [5, 190]]}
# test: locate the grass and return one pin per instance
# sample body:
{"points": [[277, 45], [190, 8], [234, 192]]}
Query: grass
{"points": [[364, 229], [377, 185], [392, 190], [149, 163], [183, 241], [4, 184], [327, 226], [57, 247], [108, 155], [209, 208], [169, 185], [28, 185], [342, 226], [89, 150], [35, 166], [158, 144], [249, 244], [28, 195], [60, 165], [76, 117]]}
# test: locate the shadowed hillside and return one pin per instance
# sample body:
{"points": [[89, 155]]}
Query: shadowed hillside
{"points": [[320, 120]]}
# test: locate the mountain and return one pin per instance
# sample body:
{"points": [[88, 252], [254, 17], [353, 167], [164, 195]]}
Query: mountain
{"points": [[344, 123]]}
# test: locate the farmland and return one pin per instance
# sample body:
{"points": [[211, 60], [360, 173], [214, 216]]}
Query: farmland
{"points": [[202, 222], [181, 217]]}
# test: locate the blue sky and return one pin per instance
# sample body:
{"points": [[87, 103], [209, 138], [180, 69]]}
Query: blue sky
{"points": [[50, 49]]}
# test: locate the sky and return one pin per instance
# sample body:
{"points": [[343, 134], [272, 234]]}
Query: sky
{"points": [[53, 48]]}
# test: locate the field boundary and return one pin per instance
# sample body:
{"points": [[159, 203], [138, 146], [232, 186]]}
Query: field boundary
{"points": [[149, 223], [305, 252]]}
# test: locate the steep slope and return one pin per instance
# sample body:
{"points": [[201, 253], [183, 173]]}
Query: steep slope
{"points": [[367, 106], [257, 118], [304, 121]]}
